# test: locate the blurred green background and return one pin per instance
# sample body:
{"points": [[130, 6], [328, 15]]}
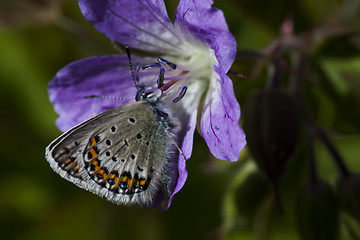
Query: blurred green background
{"points": [[220, 200]]}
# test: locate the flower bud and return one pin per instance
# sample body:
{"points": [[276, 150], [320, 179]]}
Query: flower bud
{"points": [[316, 212], [271, 124], [348, 190]]}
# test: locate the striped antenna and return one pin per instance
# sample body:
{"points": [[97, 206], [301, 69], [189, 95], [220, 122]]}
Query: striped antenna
{"points": [[139, 93], [107, 97], [131, 67]]}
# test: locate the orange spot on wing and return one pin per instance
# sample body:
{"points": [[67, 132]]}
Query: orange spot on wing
{"points": [[102, 172], [93, 142], [143, 182], [93, 153], [96, 164], [123, 179], [117, 182], [116, 179], [130, 182]]}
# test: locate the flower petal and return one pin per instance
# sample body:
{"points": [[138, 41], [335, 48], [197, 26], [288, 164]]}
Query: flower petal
{"points": [[208, 24], [220, 120], [141, 24], [102, 76], [187, 114]]}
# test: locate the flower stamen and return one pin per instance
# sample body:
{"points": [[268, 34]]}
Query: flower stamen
{"points": [[151, 65], [166, 62], [181, 94], [137, 67], [169, 84], [160, 79], [182, 75], [139, 93], [177, 76]]}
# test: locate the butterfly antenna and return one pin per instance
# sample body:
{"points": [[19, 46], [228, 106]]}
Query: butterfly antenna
{"points": [[107, 97], [139, 90], [131, 67]]}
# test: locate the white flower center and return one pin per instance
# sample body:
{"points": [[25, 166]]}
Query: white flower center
{"points": [[193, 74], [194, 68]]}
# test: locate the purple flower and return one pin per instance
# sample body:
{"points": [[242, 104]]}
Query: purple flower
{"points": [[198, 42]]}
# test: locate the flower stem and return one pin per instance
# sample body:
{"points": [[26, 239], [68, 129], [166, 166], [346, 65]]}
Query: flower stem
{"points": [[278, 202], [345, 172], [274, 74], [313, 176], [320, 133]]}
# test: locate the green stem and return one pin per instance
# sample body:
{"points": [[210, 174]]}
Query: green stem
{"points": [[313, 176], [345, 172]]}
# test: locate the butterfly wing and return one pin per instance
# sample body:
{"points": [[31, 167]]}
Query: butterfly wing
{"points": [[125, 154]]}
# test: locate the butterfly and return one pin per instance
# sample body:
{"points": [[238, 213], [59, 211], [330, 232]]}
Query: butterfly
{"points": [[126, 154]]}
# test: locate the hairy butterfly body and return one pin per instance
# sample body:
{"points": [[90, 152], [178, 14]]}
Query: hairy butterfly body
{"points": [[126, 154]]}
